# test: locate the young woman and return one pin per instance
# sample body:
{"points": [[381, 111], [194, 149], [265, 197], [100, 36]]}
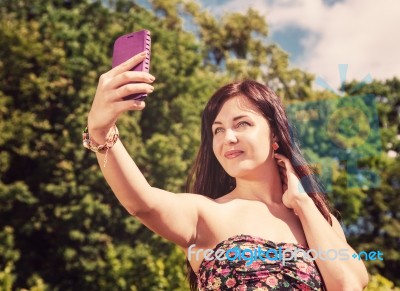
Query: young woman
{"points": [[248, 194]]}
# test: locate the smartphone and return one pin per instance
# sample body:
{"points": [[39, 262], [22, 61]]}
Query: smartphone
{"points": [[128, 45]]}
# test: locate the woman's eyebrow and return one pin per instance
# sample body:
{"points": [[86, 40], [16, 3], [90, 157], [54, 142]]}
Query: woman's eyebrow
{"points": [[234, 119]]}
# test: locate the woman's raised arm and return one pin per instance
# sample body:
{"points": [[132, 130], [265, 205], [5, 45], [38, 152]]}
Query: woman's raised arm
{"points": [[173, 216], [349, 274]]}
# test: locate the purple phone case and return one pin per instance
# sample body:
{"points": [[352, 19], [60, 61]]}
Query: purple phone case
{"points": [[128, 45]]}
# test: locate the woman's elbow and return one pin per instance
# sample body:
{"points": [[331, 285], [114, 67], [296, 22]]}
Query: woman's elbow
{"points": [[349, 282]]}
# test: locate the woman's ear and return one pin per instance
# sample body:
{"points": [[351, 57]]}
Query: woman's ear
{"points": [[274, 142], [274, 138]]}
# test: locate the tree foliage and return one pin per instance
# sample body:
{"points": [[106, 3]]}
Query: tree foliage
{"points": [[61, 228], [378, 224]]}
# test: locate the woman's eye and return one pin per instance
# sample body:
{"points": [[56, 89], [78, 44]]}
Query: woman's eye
{"points": [[242, 123], [218, 129]]}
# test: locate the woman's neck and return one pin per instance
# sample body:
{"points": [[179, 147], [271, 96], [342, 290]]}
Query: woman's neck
{"points": [[267, 189]]}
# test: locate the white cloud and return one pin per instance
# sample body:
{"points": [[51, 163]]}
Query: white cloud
{"points": [[361, 33]]}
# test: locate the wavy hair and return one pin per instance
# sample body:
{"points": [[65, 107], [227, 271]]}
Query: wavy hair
{"points": [[207, 176]]}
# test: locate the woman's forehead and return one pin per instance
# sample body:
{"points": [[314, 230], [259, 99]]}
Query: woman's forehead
{"points": [[236, 105]]}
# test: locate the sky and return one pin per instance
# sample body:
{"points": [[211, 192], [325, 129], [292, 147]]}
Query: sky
{"points": [[320, 35]]}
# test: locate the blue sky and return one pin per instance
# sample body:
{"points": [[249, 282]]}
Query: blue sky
{"points": [[288, 38], [321, 34]]}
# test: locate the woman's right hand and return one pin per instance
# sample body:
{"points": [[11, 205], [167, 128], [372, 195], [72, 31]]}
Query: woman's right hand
{"points": [[108, 102]]}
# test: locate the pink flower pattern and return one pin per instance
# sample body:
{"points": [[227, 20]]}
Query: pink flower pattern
{"points": [[297, 273]]}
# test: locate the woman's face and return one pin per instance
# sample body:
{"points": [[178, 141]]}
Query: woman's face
{"points": [[242, 139]]}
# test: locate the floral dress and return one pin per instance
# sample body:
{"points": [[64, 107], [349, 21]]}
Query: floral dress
{"points": [[239, 273]]}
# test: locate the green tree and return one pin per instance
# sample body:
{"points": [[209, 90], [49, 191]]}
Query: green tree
{"points": [[68, 229], [378, 225], [354, 142]]}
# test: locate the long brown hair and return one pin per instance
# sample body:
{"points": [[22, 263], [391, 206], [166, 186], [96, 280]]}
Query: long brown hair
{"points": [[207, 176]]}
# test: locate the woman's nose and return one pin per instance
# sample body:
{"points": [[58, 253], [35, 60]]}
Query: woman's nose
{"points": [[230, 137]]}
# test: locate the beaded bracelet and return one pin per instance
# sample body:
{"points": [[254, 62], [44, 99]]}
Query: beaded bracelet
{"points": [[111, 139]]}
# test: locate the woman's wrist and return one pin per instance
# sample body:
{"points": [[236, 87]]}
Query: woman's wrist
{"points": [[110, 140], [301, 203], [98, 133], [99, 136]]}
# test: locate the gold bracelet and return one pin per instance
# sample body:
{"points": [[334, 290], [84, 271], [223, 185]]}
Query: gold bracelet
{"points": [[111, 139]]}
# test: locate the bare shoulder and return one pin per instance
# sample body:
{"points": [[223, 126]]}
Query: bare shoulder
{"points": [[200, 200], [205, 206]]}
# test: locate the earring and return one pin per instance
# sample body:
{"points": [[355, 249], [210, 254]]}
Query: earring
{"points": [[275, 146]]}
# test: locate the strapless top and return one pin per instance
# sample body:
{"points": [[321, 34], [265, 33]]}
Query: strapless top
{"points": [[282, 266]]}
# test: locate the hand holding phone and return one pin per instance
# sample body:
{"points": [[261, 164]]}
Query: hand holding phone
{"points": [[128, 45]]}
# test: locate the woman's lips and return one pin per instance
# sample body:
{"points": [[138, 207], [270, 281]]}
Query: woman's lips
{"points": [[232, 154]]}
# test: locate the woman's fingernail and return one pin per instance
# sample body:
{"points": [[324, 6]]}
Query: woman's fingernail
{"points": [[152, 78]]}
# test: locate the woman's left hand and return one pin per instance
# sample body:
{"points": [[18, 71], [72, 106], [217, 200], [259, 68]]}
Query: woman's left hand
{"points": [[293, 191]]}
